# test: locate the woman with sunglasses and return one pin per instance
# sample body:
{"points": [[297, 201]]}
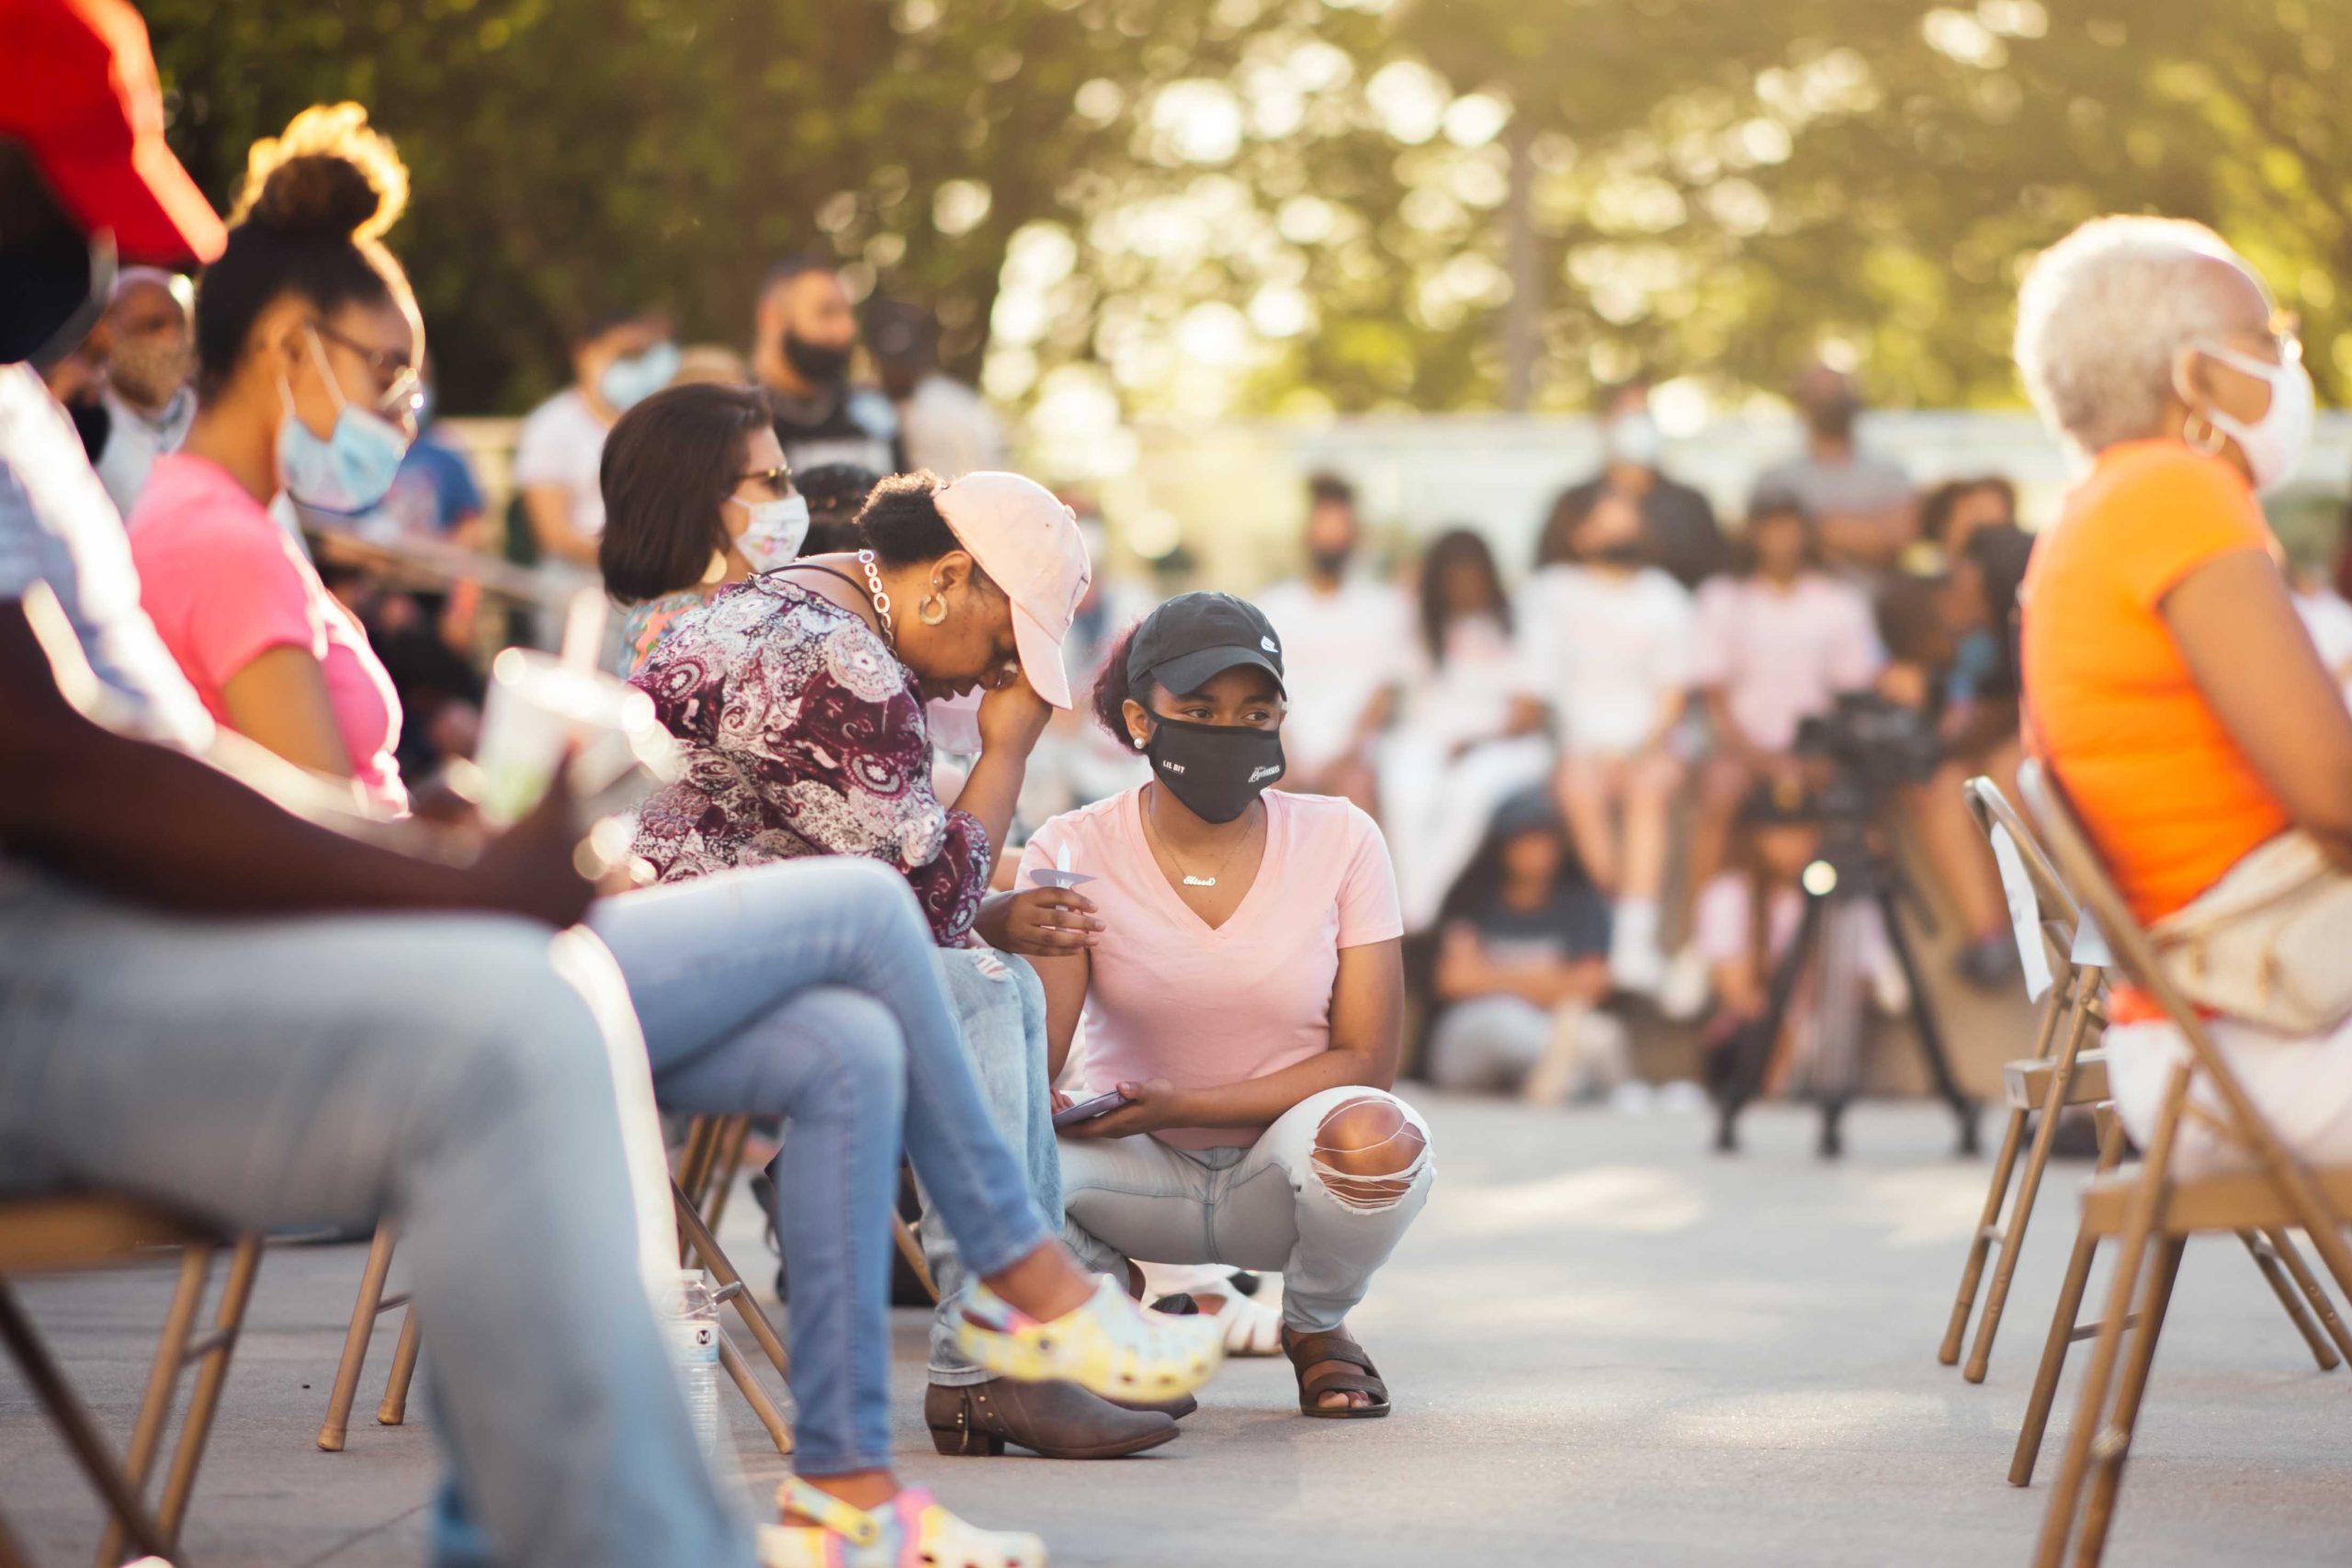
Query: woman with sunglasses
{"points": [[307, 341], [697, 497]]}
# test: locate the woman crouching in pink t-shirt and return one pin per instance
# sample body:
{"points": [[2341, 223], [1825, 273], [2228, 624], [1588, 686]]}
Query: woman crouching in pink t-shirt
{"points": [[1243, 1002]]}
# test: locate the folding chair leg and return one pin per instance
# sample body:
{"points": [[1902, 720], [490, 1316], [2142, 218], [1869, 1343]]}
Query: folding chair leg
{"points": [[364, 1313], [2263, 1249], [2062, 1319], [731, 1165], [2316, 1293], [1996, 1193], [911, 1250], [2113, 1446], [394, 1410], [213, 1372], [73, 1423], [2005, 1265], [754, 1395], [2145, 1212], [699, 1240], [163, 1384]]}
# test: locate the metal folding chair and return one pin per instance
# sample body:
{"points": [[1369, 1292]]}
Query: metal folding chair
{"points": [[46, 1234], [2150, 1214], [2050, 1081]]}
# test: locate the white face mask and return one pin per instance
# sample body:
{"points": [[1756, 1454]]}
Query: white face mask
{"points": [[1633, 438], [2273, 444], [775, 531]]}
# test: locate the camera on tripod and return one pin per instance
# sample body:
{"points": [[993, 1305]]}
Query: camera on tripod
{"points": [[1868, 748], [1873, 746]]}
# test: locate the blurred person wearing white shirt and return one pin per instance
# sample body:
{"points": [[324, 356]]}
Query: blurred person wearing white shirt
{"points": [[1344, 642], [618, 361], [1607, 641], [2328, 617], [150, 358], [1467, 735]]}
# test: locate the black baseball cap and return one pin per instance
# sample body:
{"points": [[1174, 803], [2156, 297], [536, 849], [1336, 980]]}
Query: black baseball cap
{"points": [[1188, 641]]}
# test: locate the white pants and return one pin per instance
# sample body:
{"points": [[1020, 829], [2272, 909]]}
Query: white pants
{"points": [[1265, 1207], [2303, 1088], [1491, 1045]]}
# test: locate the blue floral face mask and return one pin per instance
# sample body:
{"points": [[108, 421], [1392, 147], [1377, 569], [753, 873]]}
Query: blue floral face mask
{"points": [[630, 381], [349, 471]]}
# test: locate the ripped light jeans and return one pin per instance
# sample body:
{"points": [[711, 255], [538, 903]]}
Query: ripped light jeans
{"points": [[1271, 1206]]}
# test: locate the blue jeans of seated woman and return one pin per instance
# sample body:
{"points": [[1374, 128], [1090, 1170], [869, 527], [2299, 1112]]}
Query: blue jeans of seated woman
{"points": [[1001, 1007], [807, 990]]}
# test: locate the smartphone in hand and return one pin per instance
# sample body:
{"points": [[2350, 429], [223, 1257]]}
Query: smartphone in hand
{"points": [[1088, 1109]]}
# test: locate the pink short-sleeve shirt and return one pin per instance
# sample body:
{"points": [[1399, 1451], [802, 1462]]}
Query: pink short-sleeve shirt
{"points": [[224, 584], [1170, 998]]}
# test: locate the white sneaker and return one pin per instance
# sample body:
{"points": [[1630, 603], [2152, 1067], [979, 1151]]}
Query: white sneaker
{"points": [[1684, 996]]}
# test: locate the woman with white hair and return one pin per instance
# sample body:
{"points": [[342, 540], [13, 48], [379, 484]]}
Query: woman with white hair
{"points": [[2168, 682]]}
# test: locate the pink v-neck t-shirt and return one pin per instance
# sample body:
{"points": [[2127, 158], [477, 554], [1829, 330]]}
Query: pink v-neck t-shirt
{"points": [[1172, 997]]}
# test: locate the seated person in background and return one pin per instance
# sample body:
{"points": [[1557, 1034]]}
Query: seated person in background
{"points": [[1466, 735], [1243, 1002], [1863, 504], [836, 493], [1777, 644], [2325, 614], [1679, 527], [1951, 513], [797, 696], [697, 497], [149, 360], [618, 360], [1344, 635], [2168, 685], [1954, 641], [1523, 966], [1607, 642]]}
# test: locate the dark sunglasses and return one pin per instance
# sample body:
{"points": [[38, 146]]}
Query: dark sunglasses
{"points": [[778, 479]]}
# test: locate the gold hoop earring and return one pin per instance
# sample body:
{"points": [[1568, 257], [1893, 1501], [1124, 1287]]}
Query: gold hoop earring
{"points": [[931, 609], [2211, 441]]}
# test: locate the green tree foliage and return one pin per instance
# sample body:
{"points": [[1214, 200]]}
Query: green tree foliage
{"points": [[1203, 206]]}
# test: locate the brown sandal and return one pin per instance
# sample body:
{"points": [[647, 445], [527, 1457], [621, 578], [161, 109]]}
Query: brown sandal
{"points": [[1306, 1350]]}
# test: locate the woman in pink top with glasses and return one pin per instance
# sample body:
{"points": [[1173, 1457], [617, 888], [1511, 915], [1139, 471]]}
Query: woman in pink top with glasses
{"points": [[1242, 1001]]}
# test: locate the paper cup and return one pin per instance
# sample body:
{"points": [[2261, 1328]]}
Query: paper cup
{"points": [[537, 708]]}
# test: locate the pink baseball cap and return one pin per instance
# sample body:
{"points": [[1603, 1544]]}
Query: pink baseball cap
{"points": [[1029, 545]]}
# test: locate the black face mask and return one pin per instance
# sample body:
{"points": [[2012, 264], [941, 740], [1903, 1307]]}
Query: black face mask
{"points": [[53, 291], [822, 365], [1217, 769], [1628, 553], [1329, 562]]}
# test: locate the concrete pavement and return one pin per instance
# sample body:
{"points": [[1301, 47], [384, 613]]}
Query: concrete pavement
{"points": [[1607, 1347]]}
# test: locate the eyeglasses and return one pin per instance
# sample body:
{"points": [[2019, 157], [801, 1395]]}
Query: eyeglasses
{"points": [[778, 480], [404, 390]]}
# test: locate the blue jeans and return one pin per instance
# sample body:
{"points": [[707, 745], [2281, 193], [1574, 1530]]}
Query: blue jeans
{"points": [[804, 989], [448, 1069], [1001, 1007]]}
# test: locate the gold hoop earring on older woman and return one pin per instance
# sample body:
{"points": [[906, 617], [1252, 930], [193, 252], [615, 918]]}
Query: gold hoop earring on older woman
{"points": [[2210, 442]]}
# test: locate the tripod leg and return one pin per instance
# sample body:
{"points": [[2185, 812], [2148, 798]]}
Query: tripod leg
{"points": [[1923, 1019], [1757, 1041]]}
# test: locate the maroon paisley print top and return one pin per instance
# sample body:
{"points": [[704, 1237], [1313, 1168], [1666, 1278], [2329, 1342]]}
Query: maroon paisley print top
{"points": [[804, 736]]}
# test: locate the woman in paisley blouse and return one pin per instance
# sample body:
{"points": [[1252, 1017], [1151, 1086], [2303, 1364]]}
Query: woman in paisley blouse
{"points": [[798, 696]]}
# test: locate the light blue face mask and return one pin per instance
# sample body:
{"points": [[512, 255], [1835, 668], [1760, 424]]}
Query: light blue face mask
{"points": [[630, 381], [352, 468]]}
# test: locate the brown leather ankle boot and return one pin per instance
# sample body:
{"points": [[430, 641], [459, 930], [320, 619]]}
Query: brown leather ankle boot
{"points": [[1059, 1420]]}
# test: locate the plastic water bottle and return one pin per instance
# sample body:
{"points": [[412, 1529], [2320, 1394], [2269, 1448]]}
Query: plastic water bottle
{"points": [[692, 1324]]}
